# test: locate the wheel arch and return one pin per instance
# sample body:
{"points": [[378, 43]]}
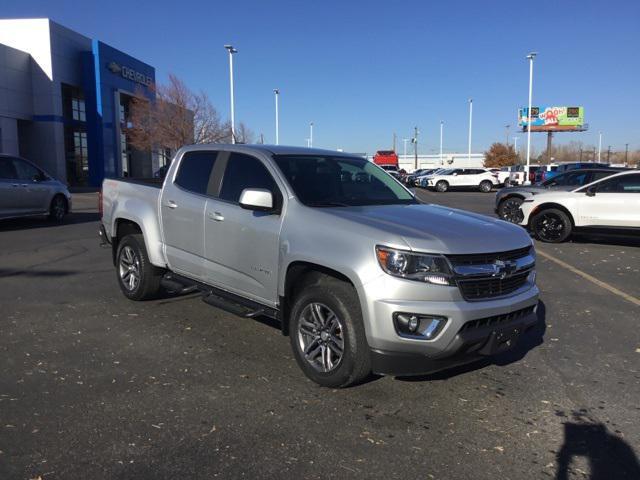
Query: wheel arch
{"points": [[550, 205], [121, 228], [302, 273]]}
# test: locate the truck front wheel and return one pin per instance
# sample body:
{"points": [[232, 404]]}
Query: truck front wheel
{"points": [[327, 334], [137, 277]]}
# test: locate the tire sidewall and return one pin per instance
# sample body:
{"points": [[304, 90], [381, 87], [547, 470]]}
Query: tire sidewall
{"points": [[483, 188], [337, 298], [503, 203], [442, 186]]}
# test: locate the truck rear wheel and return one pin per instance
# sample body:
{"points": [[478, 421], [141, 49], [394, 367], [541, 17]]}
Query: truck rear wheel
{"points": [[327, 334], [137, 277]]}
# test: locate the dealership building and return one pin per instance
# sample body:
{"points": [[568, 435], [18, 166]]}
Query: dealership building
{"points": [[65, 99]]}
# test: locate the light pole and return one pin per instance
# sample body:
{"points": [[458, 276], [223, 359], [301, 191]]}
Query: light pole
{"points": [[626, 154], [470, 125], [599, 144], [415, 147], [277, 94], [311, 135], [231, 51], [531, 56], [441, 131], [507, 128]]}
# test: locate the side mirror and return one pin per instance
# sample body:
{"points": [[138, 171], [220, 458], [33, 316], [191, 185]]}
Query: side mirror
{"points": [[259, 199], [455, 174], [591, 192]]}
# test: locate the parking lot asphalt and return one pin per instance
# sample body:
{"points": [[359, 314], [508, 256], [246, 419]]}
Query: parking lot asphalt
{"points": [[95, 386]]}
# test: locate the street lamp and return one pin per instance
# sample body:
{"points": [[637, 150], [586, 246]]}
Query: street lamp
{"points": [[531, 56], [441, 130], [231, 51], [311, 135], [277, 94], [470, 125]]}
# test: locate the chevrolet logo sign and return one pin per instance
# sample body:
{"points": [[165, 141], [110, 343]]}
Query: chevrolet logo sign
{"points": [[504, 269], [114, 67]]}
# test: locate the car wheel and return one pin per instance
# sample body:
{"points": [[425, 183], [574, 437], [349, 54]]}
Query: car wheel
{"points": [[327, 334], [509, 209], [442, 186], [58, 209], [486, 186], [551, 225], [137, 277]]}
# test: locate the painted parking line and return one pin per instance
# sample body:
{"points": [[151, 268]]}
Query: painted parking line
{"points": [[592, 279]]}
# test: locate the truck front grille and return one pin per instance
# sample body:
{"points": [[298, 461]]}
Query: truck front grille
{"points": [[480, 288], [484, 258]]}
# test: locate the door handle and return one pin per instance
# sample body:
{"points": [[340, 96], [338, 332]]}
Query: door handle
{"points": [[217, 216], [171, 204]]}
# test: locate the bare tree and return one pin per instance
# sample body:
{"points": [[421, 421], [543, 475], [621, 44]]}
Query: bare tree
{"points": [[177, 117], [244, 134]]}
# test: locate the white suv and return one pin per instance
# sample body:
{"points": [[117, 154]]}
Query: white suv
{"points": [[479, 178], [611, 205]]}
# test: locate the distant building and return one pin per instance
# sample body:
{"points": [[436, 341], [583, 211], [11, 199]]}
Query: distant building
{"points": [[64, 102]]}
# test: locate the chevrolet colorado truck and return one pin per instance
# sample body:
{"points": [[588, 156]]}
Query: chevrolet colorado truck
{"points": [[361, 276]]}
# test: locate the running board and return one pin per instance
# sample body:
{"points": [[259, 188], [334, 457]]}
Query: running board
{"points": [[218, 298]]}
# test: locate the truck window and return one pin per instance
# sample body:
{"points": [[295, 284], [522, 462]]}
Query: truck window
{"points": [[195, 171], [244, 171]]}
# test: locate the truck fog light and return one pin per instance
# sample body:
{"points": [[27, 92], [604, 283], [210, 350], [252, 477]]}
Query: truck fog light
{"points": [[417, 326]]}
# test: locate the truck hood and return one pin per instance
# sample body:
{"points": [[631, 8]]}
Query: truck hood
{"points": [[432, 228]]}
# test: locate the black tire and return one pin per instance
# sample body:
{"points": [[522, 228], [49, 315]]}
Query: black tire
{"points": [[486, 186], [509, 209], [133, 253], [442, 186], [551, 225], [341, 299], [58, 208]]}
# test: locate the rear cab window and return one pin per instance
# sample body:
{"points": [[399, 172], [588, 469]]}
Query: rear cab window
{"points": [[195, 172]]}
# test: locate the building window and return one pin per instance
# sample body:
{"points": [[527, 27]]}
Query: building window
{"points": [[77, 155], [73, 105]]}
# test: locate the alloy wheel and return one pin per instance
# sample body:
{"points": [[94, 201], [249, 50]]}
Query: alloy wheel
{"points": [[129, 268], [510, 210], [549, 226], [58, 208], [321, 337]]}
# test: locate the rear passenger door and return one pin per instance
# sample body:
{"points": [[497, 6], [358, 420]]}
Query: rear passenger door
{"points": [[34, 195], [242, 246], [182, 205]]}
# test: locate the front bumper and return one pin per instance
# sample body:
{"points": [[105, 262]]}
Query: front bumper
{"points": [[500, 321]]}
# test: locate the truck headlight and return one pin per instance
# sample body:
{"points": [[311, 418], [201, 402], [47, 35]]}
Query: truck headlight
{"points": [[415, 266]]}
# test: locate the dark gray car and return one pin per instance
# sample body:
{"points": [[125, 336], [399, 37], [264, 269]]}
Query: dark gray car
{"points": [[509, 199], [27, 190]]}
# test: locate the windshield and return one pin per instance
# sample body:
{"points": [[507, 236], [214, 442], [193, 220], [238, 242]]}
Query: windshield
{"points": [[325, 181]]}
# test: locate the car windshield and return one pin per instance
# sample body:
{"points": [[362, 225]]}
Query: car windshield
{"points": [[326, 181]]}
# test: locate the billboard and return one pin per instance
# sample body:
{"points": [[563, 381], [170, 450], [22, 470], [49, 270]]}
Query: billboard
{"points": [[545, 119]]}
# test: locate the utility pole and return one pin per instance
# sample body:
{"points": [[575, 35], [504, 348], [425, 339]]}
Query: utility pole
{"points": [[507, 127], [415, 147], [404, 156], [580, 154], [470, 125], [530, 57], [394, 141], [262, 138], [608, 153], [441, 130], [311, 135], [626, 154], [515, 145], [231, 51], [276, 91], [549, 139], [599, 144]]}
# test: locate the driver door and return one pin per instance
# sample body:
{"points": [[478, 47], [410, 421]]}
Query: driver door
{"points": [[33, 195]]}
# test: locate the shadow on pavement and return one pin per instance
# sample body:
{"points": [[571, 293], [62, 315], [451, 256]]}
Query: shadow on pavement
{"points": [[4, 273], [28, 223], [601, 239], [609, 456], [534, 338]]}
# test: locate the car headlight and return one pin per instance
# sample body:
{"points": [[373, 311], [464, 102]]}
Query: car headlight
{"points": [[415, 266]]}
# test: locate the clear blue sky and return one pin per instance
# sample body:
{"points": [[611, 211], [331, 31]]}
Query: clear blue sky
{"points": [[361, 70]]}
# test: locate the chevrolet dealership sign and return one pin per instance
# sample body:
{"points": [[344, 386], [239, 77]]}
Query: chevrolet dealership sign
{"points": [[130, 74]]}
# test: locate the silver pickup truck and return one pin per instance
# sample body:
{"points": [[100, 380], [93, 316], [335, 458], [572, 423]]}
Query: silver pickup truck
{"points": [[361, 276]]}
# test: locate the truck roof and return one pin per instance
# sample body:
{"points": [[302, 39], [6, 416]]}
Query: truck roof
{"points": [[273, 149]]}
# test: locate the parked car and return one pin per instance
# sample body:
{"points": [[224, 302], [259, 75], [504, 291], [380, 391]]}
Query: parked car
{"points": [[386, 157], [479, 178], [561, 168], [422, 180], [611, 204], [509, 199], [360, 275], [519, 175], [416, 176], [27, 190], [502, 174]]}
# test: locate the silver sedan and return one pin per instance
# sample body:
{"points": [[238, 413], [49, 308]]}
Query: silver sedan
{"points": [[27, 190]]}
